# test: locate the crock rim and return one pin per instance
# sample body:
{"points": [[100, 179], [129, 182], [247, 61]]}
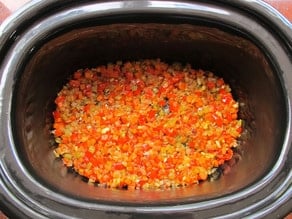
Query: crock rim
{"points": [[278, 21]]}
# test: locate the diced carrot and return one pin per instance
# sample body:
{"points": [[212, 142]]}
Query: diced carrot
{"points": [[145, 124]]}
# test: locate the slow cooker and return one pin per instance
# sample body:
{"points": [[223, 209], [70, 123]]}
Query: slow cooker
{"points": [[247, 43]]}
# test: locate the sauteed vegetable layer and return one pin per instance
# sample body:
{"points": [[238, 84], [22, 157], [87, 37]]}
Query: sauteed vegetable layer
{"points": [[145, 124]]}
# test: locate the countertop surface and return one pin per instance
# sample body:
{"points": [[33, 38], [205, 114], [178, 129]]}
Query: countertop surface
{"points": [[7, 7]]}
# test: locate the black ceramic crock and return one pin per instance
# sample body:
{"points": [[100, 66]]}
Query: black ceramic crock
{"points": [[247, 43]]}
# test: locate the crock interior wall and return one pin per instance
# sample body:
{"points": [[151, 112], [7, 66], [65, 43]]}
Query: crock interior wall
{"points": [[253, 82]]}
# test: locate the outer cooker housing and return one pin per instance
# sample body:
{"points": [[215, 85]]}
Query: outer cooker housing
{"points": [[240, 41]]}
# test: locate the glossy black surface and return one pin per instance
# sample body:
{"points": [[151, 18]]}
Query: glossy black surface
{"points": [[245, 45]]}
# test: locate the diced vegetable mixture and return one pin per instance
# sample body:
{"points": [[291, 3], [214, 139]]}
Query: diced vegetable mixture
{"points": [[145, 124]]}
